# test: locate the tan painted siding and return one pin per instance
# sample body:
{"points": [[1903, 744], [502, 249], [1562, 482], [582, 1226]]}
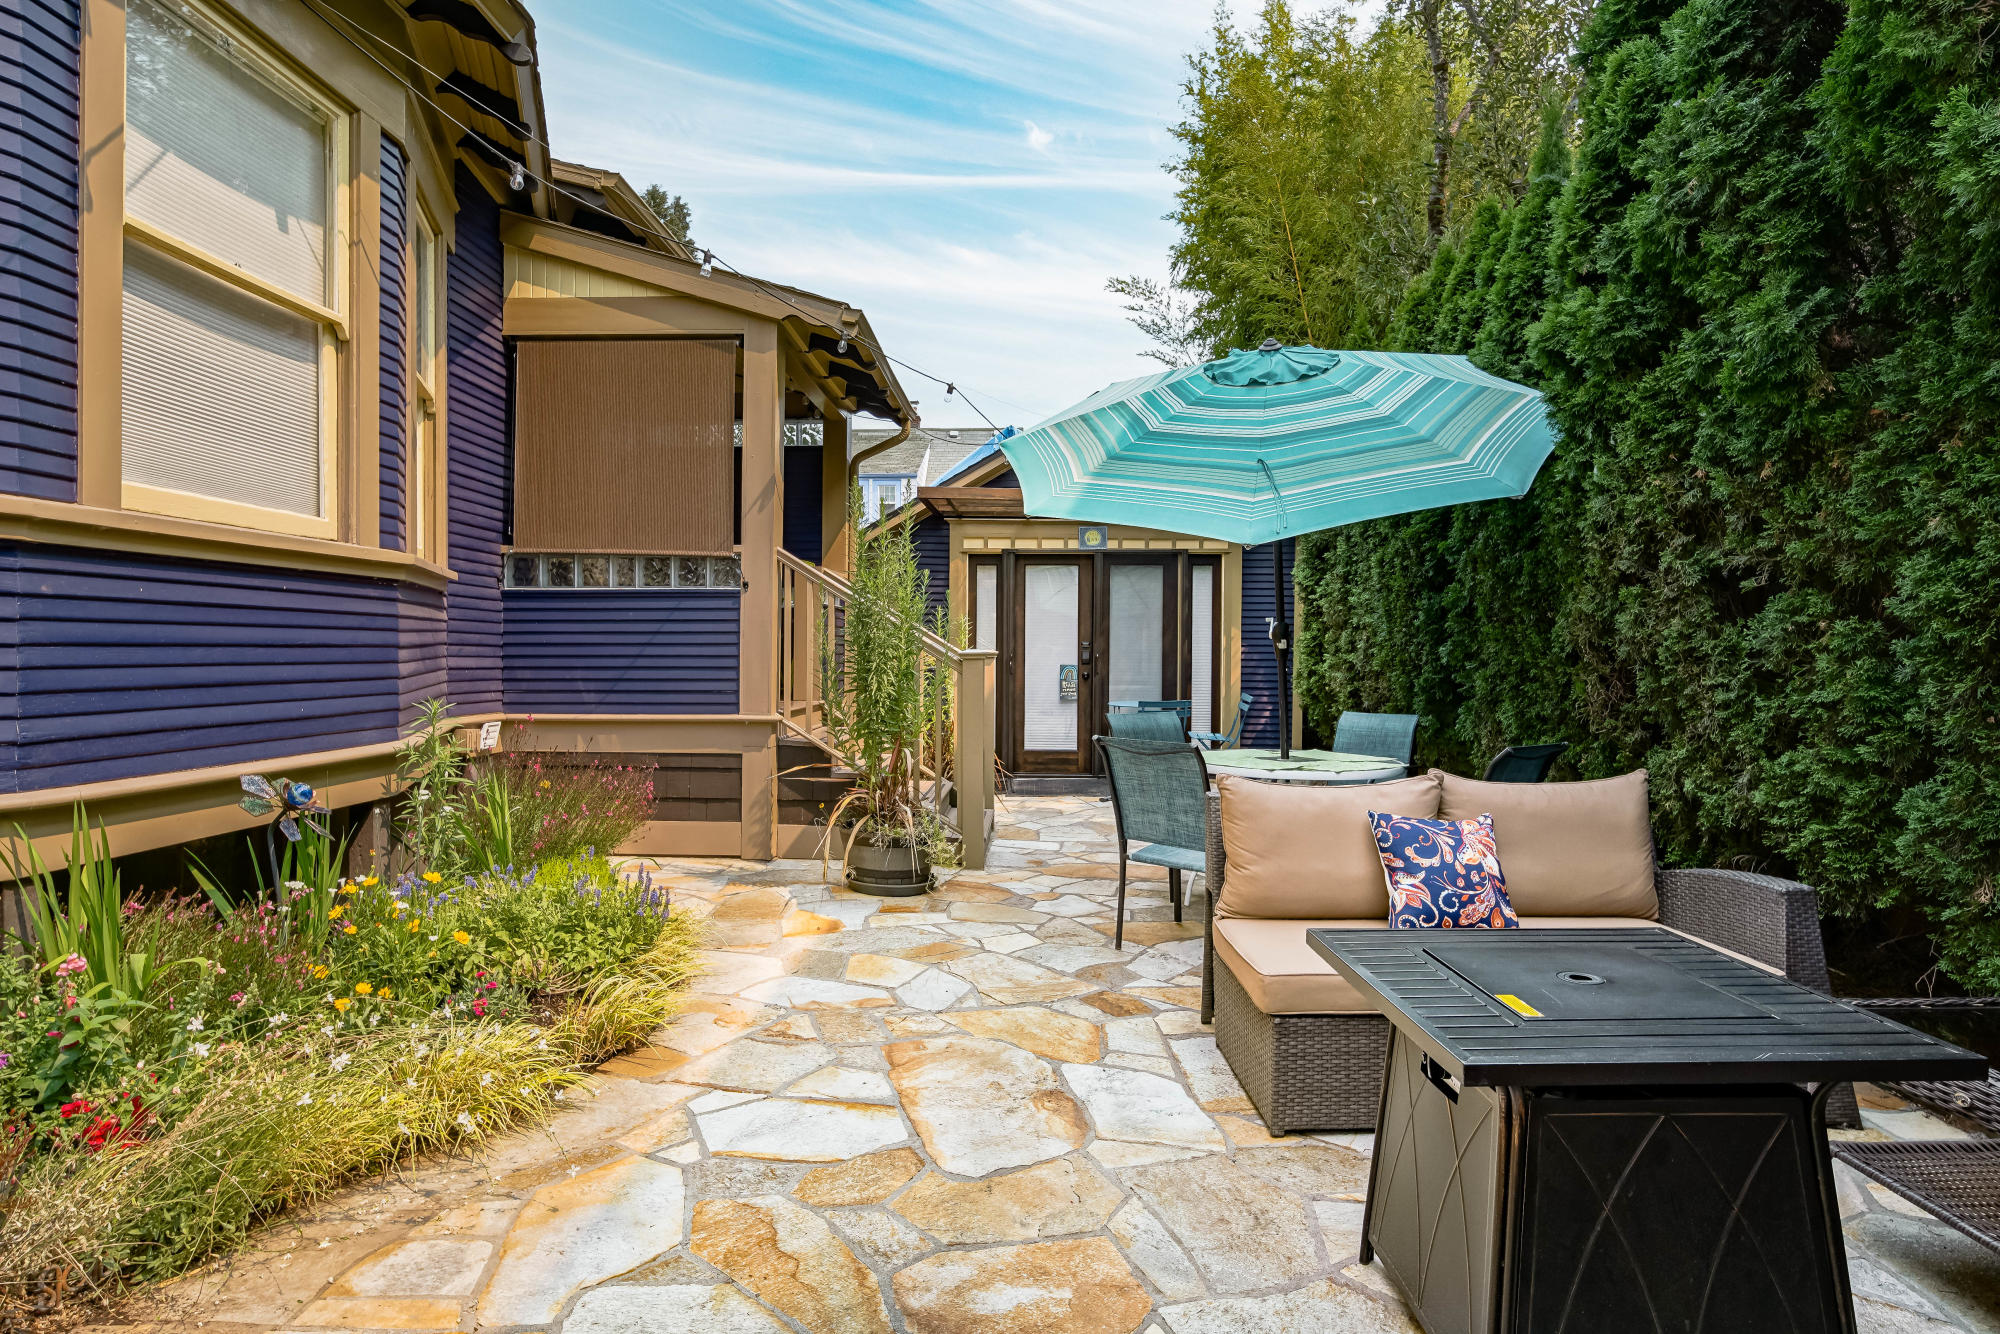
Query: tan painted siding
{"points": [[530, 275]]}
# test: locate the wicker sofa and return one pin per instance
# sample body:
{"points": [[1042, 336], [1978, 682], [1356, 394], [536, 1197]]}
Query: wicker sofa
{"points": [[1323, 1071]]}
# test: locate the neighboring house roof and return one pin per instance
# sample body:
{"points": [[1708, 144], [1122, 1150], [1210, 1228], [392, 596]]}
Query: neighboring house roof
{"points": [[978, 466], [929, 452]]}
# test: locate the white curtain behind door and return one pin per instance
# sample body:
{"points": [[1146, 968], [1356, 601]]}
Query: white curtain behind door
{"points": [[1048, 721], [1136, 628], [1201, 659]]}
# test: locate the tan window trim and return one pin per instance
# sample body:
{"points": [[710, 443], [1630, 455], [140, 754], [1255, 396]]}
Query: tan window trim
{"points": [[57, 522], [234, 274]]}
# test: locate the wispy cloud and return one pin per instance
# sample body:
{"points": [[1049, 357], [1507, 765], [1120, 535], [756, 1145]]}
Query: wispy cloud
{"points": [[968, 171]]}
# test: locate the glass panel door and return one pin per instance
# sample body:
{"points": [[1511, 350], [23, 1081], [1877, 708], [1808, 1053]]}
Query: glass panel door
{"points": [[1054, 676]]}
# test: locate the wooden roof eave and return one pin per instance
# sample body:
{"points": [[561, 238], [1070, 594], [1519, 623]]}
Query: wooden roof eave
{"points": [[973, 502], [443, 48], [683, 278]]}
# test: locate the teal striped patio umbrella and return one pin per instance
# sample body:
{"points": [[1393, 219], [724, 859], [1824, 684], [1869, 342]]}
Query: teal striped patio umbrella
{"points": [[1276, 441], [1279, 441]]}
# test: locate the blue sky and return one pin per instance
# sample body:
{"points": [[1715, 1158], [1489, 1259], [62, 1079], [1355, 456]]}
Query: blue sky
{"points": [[969, 172]]}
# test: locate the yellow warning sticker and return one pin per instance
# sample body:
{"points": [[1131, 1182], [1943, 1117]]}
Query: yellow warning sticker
{"points": [[1517, 1005]]}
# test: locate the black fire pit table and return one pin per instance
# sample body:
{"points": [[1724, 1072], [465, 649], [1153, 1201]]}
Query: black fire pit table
{"points": [[1602, 1131]]}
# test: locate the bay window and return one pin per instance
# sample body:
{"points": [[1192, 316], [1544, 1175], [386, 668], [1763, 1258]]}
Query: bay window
{"points": [[235, 187]]}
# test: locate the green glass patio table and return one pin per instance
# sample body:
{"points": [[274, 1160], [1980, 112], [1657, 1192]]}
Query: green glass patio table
{"points": [[1322, 767]]}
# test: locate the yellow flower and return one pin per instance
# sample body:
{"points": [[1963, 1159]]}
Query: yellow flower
{"points": [[362, 988], [319, 970], [461, 937], [335, 911], [349, 928], [350, 888], [432, 876], [386, 993], [544, 783], [342, 1003], [371, 880], [414, 925]]}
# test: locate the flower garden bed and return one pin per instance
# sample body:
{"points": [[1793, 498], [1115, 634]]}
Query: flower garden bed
{"points": [[173, 1071]]}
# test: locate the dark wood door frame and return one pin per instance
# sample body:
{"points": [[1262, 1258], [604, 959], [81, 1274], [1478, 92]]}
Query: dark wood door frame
{"points": [[1094, 607], [1015, 584]]}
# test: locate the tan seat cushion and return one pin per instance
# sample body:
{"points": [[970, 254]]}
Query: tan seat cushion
{"points": [[1298, 851], [1567, 849], [1283, 975]]}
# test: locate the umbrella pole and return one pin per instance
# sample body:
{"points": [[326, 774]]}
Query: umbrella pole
{"points": [[1281, 648]]}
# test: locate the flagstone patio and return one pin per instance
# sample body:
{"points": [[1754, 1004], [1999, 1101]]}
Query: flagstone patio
{"points": [[962, 1114]]}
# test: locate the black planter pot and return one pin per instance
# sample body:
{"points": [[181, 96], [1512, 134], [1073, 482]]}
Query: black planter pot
{"points": [[890, 872]]}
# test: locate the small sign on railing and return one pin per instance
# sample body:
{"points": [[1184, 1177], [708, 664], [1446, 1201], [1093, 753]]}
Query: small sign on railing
{"points": [[489, 735]]}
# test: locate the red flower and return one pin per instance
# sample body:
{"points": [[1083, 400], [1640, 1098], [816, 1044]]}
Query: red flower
{"points": [[69, 1109]]}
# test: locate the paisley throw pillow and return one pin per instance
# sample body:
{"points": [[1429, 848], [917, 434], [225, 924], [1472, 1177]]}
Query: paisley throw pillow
{"points": [[1442, 872]]}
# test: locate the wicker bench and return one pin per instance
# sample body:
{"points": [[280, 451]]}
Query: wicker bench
{"points": [[1324, 1071], [1956, 1180]]}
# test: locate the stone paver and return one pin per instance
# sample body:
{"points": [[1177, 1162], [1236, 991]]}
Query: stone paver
{"points": [[958, 1114]]}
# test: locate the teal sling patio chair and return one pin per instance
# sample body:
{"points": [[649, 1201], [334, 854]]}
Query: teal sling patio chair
{"points": [[1159, 797], [1393, 736], [1148, 725], [1524, 764], [1230, 739]]}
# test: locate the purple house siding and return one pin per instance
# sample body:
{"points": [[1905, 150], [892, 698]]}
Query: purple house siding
{"points": [[932, 540], [40, 46], [1260, 668], [124, 665], [802, 501], [477, 485], [582, 651], [395, 386], [420, 647]]}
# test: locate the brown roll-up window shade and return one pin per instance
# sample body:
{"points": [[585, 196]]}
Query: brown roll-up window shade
{"points": [[624, 445]]}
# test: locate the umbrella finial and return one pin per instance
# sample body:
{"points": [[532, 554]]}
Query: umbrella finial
{"points": [[1269, 345]]}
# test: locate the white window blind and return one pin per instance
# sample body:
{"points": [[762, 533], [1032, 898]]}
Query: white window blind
{"points": [[221, 390], [219, 157], [1201, 630], [1137, 609], [224, 388], [986, 606], [1048, 658]]}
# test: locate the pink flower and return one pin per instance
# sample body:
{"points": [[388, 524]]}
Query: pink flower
{"points": [[236, 998], [73, 964]]}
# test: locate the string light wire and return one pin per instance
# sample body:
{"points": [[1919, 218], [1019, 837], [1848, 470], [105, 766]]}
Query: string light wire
{"points": [[708, 259]]}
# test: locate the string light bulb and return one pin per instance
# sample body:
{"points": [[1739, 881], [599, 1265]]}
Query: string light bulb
{"points": [[708, 263], [517, 179], [843, 346]]}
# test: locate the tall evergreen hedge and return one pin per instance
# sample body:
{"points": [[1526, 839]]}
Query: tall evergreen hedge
{"points": [[1763, 299]]}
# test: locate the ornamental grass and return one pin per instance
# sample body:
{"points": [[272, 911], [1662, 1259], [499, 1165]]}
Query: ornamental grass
{"points": [[260, 1126], [267, 1046]]}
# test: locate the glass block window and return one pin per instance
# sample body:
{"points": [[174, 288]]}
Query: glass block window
{"points": [[613, 573]]}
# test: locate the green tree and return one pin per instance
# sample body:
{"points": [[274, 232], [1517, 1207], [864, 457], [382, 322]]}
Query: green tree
{"points": [[673, 212], [1301, 180], [1762, 297]]}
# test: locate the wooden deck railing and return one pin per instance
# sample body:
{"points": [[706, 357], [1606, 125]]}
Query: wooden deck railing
{"points": [[955, 758]]}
